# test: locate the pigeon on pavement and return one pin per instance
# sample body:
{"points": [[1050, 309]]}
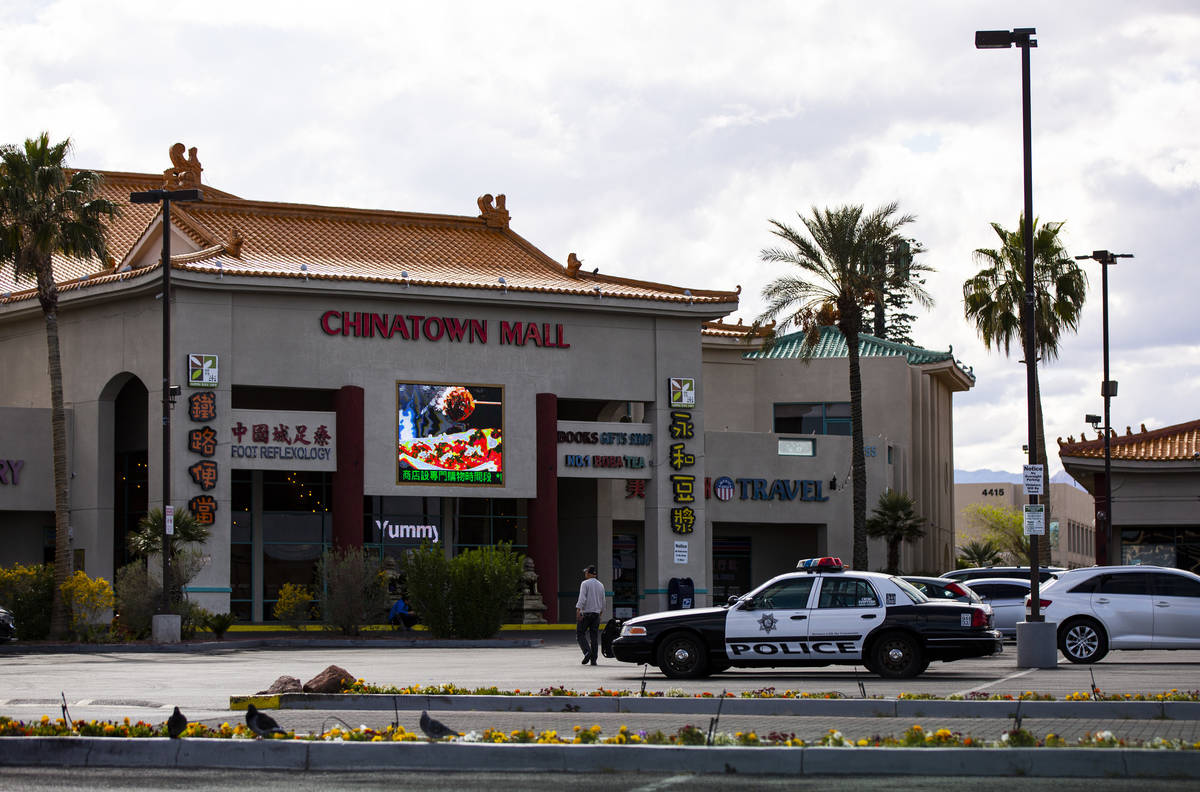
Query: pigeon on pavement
{"points": [[176, 724], [261, 724], [435, 729]]}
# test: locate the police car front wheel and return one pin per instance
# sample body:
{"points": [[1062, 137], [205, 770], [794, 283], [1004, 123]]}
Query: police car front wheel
{"points": [[682, 656], [897, 656]]}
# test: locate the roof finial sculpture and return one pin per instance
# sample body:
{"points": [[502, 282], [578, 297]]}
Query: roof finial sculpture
{"points": [[233, 245], [184, 172], [573, 265], [492, 211]]}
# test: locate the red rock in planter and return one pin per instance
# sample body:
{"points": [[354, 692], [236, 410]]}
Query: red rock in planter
{"points": [[328, 681]]}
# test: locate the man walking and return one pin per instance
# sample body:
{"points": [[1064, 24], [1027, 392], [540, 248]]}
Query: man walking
{"points": [[588, 608]]}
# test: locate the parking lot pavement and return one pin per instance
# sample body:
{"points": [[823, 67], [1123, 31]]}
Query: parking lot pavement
{"points": [[142, 685]]}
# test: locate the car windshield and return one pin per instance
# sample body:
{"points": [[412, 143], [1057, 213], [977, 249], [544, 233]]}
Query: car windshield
{"points": [[911, 591]]}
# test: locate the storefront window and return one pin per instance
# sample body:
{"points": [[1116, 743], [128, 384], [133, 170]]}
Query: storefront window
{"points": [[488, 521], [731, 568]]}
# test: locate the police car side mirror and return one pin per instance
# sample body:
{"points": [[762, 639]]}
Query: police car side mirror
{"points": [[733, 600]]}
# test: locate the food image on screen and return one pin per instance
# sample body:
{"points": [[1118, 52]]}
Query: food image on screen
{"points": [[450, 434], [456, 403]]}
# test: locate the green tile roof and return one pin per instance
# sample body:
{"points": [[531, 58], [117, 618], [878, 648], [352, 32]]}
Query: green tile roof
{"points": [[832, 344]]}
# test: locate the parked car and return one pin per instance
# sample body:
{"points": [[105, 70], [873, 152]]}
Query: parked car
{"points": [[938, 589], [1007, 597], [821, 615], [8, 627], [1122, 607], [1044, 572]]}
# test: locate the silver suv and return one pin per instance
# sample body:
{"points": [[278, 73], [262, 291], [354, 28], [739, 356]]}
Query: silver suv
{"points": [[1122, 607]]}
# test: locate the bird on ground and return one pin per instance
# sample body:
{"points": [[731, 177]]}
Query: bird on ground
{"points": [[435, 729], [176, 724], [261, 724]]}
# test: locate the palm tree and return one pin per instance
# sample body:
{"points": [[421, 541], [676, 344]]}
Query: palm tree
{"points": [[47, 210], [979, 553], [994, 300], [832, 283], [895, 520]]}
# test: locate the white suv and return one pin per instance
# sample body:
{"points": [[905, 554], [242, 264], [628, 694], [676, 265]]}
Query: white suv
{"points": [[1122, 607]]}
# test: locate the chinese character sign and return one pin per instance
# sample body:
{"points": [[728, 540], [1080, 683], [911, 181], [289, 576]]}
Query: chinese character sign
{"points": [[281, 440], [679, 459]]}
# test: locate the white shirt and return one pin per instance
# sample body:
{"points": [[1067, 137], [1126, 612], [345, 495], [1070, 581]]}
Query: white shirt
{"points": [[591, 596]]}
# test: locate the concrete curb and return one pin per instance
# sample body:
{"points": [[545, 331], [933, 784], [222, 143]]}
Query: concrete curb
{"points": [[851, 708], [470, 757], [204, 647]]}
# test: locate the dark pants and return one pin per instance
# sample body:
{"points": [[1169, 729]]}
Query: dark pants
{"points": [[587, 630]]}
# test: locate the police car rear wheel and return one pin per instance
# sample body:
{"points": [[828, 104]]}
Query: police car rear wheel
{"points": [[682, 656], [897, 656]]}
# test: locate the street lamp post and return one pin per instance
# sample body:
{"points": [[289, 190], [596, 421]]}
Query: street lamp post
{"points": [[1023, 39], [168, 400], [1108, 389]]}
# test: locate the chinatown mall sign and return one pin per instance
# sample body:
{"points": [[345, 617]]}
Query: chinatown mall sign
{"points": [[418, 327]]}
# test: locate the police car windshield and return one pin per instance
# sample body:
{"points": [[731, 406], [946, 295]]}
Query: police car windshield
{"points": [[911, 591]]}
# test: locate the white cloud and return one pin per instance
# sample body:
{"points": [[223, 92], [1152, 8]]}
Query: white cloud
{"points": [[655, 140]]}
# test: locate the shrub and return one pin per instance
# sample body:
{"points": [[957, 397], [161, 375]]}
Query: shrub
{"points": [[88, 600], [219, 623], [353, 589], [294, 605], [192, 617], [427, 577], [467, 596], [27, 591], [138, 598]]}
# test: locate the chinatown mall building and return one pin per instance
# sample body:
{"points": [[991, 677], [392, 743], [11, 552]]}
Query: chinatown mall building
{"points": [[352, 377]]}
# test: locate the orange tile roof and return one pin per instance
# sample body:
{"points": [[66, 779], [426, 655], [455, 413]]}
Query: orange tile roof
{"points": [[1171, 443], [739, 330], [239, 237]]}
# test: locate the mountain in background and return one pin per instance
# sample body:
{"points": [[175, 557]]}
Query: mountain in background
{"points": [[986, 476]]}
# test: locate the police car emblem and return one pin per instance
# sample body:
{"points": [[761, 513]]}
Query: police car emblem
{"points": [[767, 622]]}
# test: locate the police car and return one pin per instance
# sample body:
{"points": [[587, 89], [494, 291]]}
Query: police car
{"points": [[822, 615]]}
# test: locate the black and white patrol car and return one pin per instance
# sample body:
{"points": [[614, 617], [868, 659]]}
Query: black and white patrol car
{"points": [[821, 615]]}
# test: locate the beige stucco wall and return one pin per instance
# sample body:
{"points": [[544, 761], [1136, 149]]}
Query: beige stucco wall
{"points": [[1070, 506], [906, 408]]}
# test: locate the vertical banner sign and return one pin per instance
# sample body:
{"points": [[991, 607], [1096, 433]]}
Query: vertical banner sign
{"points": [[681, 428], [169, 519], [202, 407]]}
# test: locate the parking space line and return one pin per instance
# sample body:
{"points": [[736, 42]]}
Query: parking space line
{"points": [[666, 782], [995, 682]]}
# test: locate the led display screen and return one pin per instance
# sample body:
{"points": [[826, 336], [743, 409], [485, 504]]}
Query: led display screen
{"points": [[449, 434]]}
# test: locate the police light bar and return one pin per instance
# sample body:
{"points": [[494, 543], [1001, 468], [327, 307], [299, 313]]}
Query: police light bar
{"points": [[826, 564]]}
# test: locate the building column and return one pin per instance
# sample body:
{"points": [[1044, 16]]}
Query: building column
{"points": [[347, 496], [543, 510]]}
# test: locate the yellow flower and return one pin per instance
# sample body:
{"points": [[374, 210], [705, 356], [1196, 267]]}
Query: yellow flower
{"points": [[595, 728], [578, 727], [861, 743]]}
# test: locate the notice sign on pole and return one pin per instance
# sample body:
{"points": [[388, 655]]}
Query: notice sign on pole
{"points": [[681, 552], [1035, 519], [1032, 479], [169, 520]]}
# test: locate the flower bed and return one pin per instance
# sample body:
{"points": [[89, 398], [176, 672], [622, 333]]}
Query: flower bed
{"points": [[451, 689], [915, 736]]}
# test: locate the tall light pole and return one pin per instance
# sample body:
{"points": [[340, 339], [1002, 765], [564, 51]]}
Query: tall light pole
{"points": [[1108, 389], [166, 196], [1039, 650], [1004, 39]]}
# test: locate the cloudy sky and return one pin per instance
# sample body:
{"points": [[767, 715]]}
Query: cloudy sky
{"points": [[655, 139]]}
